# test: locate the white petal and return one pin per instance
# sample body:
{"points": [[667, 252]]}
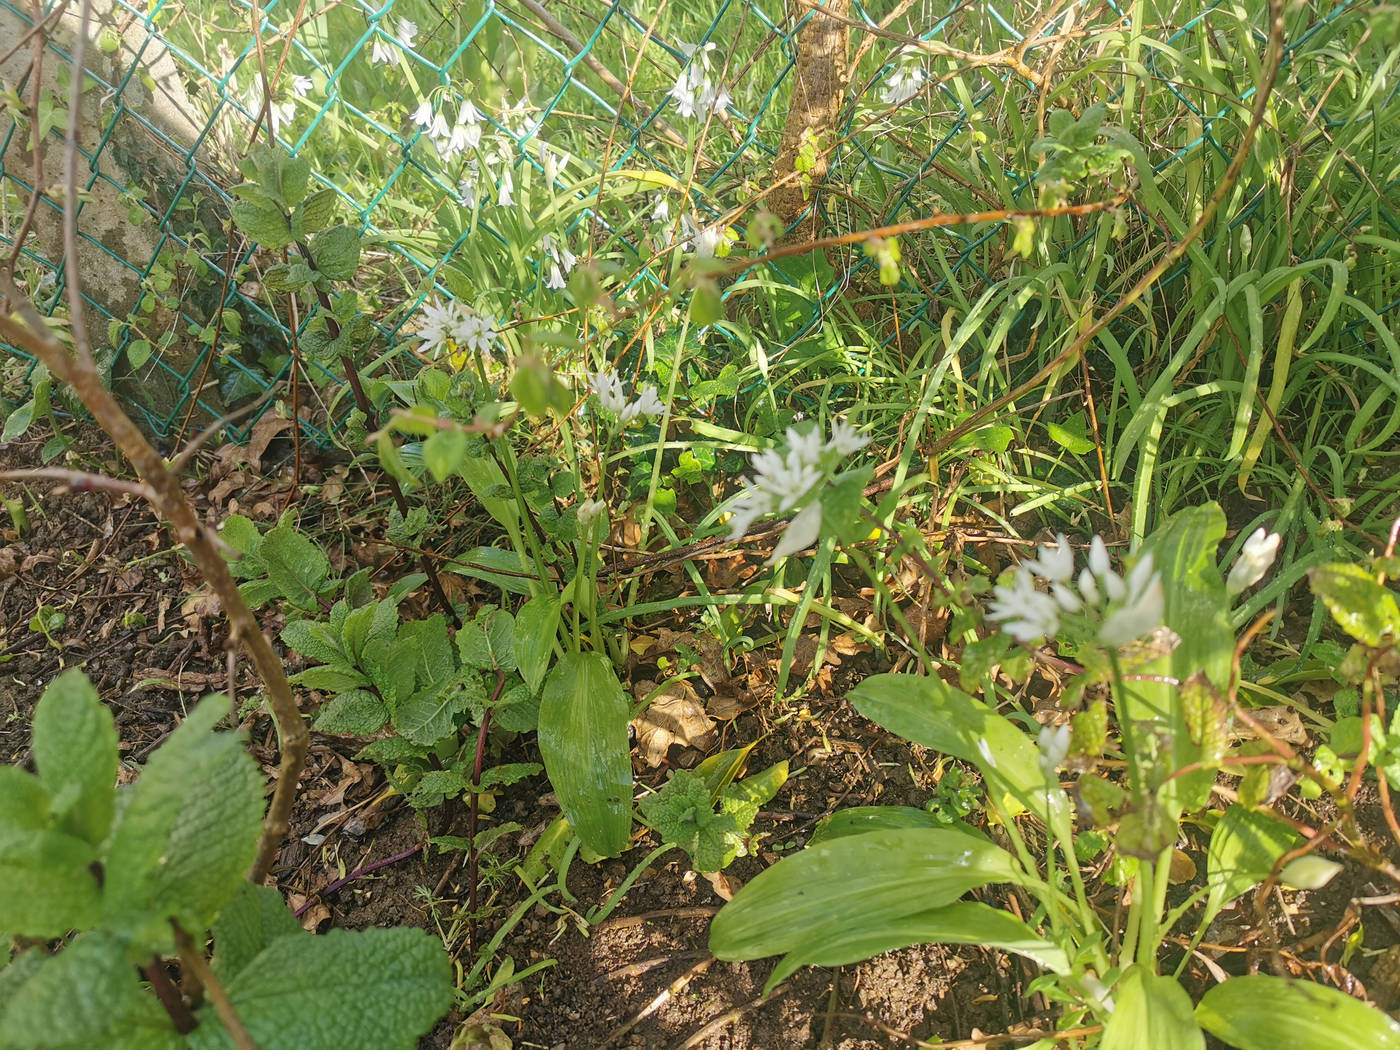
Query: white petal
{"points": [[1088, 587], [801, 533], [1099, 564]]}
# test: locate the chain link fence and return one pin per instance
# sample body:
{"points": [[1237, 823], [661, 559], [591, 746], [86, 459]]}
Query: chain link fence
{"points": [[489, 148]]}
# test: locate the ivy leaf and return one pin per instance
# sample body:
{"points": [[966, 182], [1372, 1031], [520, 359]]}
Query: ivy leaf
{"points": [[296, 566], [85, 996], [346, 990], [75, 753], [336, 252], [183, 843]]}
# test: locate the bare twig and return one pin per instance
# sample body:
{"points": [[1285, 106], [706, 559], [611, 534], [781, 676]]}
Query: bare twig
{"points": [[192, 958], [78, 481]]}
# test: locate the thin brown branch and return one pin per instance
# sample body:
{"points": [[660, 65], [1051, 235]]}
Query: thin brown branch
{"points": [[192, 958]]}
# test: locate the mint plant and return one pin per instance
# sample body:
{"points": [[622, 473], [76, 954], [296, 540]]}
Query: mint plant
{"points": [[124, 877], [710, 823]]}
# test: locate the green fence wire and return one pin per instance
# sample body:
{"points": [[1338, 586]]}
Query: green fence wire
{"points": [[450, 131]]}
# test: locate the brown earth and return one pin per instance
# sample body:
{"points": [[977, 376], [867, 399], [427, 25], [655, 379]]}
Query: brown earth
{"points": [[641, 978]]}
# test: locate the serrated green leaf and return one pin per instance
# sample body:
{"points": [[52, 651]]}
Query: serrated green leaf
{"points": [[336, 252], [297, 567], [330, 679], [1361, 606], [430, 714], [963, 922], [518, 710], [1151, 1010], [444, 451], [47, 887], [845, 887], [24, 801], [75, 753], [288, 277], [314, 639], [391, 751], [1260, 1012], [583, 740], [360, 990], [435, 661], [182, 845], [356, 713], [255, 918], [244, 539], [488, 642], [86, 996], [262, 222], [436, 785], [536, 625], [316, 211]]}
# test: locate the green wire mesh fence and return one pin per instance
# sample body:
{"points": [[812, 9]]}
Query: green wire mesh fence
{"points": [[489, 148]]}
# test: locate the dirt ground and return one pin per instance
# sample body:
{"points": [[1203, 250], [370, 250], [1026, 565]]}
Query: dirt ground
{"points": [[641, 978]]}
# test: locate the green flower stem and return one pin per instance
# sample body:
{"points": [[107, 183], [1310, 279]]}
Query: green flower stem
{"points": [[601, 912]]}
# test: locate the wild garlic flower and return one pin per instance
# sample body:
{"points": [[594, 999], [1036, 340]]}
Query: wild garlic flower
{"points": [[454, 328], [783, 481], [906, 81], [695, 93], [612, 398], [382, 53], [590, 510], [1122, 610], [1257, 554], [1054, 748], [562, 261]]}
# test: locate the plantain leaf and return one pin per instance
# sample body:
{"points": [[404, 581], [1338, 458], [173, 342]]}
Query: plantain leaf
{"points": [[1151, 1011], [583, 740], [1260, 1012]]}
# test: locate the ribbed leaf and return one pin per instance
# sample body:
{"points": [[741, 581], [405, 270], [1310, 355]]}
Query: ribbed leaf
{"points": [[583, 739], [535, 626], [1151, 1011], [75, 753], [1260, 1012]]}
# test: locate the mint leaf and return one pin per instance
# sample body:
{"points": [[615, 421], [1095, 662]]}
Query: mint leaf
{"points": [[315, 640], [24, 801], [429, 714], [75, 753], [182, 845], [363, 990], [296, 565], [86, 996], [356, 713], [46, 887], [336, 252], [316, 212], [262, 222], [255, 918], [435, 662], [488, 643]]}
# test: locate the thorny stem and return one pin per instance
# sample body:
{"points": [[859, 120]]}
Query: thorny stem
{"points": [[22, 326]]}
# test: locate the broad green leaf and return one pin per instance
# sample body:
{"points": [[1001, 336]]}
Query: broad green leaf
{"points": [[75, 753], [356, 713], [315, 640], [933, 714], [843, 887], [316, 212], [46, 885], [444, 451], [430, 714], [330, 679], [536, 625], [859, 820], [24, 801], [244, 539], [262, 222], [17, 422], [296, 565], [1243, 848], [963, 922], [488, 643], [1151, 1011], [84, 997], [183, 843], [500, 568], [336, 252], [583, 740], [1260, 1012], [434, 661], [1361, 606], [518, 710], [1198, 611], [485, 479], [255, 918], [346, 990]]}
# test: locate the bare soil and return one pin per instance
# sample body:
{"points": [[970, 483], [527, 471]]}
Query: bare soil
{"points": [[644, 976]]}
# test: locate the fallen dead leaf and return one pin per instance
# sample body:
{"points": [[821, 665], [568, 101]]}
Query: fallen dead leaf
{"points": [[676, 716]]}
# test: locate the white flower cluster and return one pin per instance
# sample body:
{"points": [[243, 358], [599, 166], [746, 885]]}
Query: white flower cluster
{"points": [[1129, 608], [381, 52], [561, 260], [283, 111], [695, 92], [904, 82], [612, 398], [781, 480], [455, 328], [453, 138], [1257, 554], [485, 152]]}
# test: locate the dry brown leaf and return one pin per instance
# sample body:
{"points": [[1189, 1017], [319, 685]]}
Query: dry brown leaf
{"points": [[200, 606], [264, 430], [723, 885], [676, 716]]}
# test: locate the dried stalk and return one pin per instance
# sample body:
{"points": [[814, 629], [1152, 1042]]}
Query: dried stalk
{"points": [[21, 325]]}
